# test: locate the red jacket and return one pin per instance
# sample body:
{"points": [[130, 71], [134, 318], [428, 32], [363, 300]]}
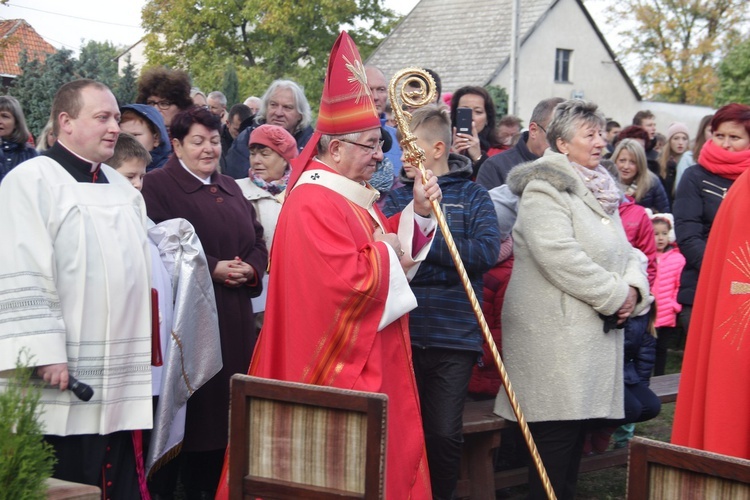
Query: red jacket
{"points": [[485, 378], [640, 233], [668, 269]]}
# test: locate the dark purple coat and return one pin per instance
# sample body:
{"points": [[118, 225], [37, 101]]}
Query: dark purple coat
{"points": [[227, 226]]}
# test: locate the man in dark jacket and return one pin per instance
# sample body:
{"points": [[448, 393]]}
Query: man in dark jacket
{"points": [[530, 147], [445, 338], [237, 121]]}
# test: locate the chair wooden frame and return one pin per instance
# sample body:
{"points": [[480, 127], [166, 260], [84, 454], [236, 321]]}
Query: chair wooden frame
{"points": [[646, 455], [245, 389]]}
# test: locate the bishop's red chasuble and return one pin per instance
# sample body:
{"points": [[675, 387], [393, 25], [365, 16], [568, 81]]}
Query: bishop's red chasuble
{"points": [[330, 289], [713, 403]]}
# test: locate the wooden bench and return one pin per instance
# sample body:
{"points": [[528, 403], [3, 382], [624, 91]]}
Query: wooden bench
{"points": [[477, 477]]}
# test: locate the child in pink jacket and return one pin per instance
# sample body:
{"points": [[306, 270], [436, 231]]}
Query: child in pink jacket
{"points": [[669, 264]]}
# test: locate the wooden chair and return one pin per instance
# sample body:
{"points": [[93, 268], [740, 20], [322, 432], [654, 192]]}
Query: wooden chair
{"points": [[291, 440], [665, 471]]}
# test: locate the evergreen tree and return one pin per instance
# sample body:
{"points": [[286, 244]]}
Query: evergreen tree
{"points": [[231, 86], [127, 87], [36, 87], [98, 61]]}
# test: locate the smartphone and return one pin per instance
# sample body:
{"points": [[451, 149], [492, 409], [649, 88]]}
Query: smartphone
{"points": [[463, 120]]}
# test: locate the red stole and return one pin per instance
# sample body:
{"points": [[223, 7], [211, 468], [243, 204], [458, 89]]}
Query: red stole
{"points": [[713, 403]]}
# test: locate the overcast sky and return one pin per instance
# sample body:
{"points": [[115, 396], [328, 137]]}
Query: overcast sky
{"points": [[67, 23]]}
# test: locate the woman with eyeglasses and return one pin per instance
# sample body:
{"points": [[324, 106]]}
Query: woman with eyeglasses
{"points": [[168, 90]]}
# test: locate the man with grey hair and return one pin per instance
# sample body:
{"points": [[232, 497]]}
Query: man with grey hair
{"points": [[284, 104], [217, 104], [253, 103], [530, 146], [379, 89]]}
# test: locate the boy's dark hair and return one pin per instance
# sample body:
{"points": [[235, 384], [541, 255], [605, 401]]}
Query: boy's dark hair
{"points": [[642, 115], [240, 110], [128, 148], [612, 124]]}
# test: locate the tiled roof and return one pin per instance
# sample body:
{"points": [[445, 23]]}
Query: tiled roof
{"points": [[15, 36], [466, 42]]}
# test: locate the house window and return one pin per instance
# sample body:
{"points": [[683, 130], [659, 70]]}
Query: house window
{"points": [[562, 65]]}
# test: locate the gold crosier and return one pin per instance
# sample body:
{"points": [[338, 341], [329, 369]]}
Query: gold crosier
{"points": [[418, 89]]}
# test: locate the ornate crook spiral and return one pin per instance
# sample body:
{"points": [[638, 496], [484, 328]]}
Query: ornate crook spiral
{"points": [[417, 89]]}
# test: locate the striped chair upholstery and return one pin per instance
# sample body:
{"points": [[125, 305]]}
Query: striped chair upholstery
{"points": [[291, 440], [665, 471]]}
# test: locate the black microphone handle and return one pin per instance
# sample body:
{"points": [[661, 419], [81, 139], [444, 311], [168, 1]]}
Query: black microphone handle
{"points": [[81, 390]]}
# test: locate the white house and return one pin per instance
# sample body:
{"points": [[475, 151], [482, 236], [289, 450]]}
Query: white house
{"points": [[562, 54]]}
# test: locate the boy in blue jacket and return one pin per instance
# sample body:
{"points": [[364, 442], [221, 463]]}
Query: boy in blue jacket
{"points": [[445, 336]]}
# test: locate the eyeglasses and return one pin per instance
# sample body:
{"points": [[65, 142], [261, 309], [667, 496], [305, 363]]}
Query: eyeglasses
{"points": [[159, 104], [369, 148], [543, 129]]}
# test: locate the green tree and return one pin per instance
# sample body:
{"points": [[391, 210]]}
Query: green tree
{"points": [[677, 44], [26, 460], [127, 88], [499, 98], [734, 76], [262, 39], [35, 88], [231, 86], [98, 61]]}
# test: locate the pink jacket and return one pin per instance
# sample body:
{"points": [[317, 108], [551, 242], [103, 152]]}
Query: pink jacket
{"points": [[668, 269]]}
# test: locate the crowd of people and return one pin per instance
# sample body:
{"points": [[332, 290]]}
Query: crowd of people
{"points": [[153, 249]]}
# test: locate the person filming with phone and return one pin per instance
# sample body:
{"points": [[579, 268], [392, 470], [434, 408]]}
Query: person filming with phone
{"points": [[473, 120]]}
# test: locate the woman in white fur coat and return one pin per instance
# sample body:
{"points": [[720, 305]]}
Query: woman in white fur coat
{"points": [[573, 268]]}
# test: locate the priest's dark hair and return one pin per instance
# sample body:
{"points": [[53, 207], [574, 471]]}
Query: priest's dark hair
{"points": [[68, 100], [183, 120]]}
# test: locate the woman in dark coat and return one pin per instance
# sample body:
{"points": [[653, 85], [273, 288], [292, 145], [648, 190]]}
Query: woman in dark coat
{"points": [[14, 136], [701, 190], [189, 186]]}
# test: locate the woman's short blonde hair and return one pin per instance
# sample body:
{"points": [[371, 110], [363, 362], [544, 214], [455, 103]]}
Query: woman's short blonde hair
{"points": [[569, 116]]}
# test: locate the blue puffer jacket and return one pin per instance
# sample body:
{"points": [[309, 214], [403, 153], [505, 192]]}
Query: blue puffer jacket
{"points": [[640, 351], [12, 153], [160, 154], [444, 317]]}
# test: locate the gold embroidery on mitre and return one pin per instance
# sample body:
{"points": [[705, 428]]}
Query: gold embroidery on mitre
{"points": [[357, 77], [738, 323]]}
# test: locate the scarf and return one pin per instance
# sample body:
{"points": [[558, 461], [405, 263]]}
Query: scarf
{"points": [[602, 186], [719, 161], [273, 187]]}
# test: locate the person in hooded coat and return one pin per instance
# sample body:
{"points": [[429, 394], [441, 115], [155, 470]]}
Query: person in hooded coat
{"points": [[146, 124]]}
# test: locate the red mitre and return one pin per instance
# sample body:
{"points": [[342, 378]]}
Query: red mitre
{"points": [[346, 106]]}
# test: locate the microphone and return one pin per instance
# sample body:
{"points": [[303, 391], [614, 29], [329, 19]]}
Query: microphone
{"points": [[81, 390]]}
